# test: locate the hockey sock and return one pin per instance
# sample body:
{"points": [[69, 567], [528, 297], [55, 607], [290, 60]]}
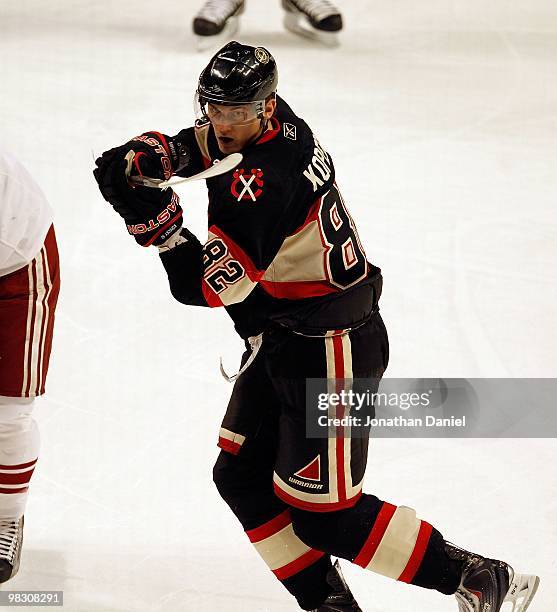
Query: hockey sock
{"points": [[301, 569], [19, 449], [267, 522], [385, 539]]}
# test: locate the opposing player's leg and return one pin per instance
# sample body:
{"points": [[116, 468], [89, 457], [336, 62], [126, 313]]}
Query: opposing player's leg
{"points": [[28, 300], [19, 451], [243, 475]]}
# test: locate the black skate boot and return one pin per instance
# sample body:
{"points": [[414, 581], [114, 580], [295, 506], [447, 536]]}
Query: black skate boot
{"points": [[341, 599], [316, 19], [486, 584], [216, 21], [11, 539]]}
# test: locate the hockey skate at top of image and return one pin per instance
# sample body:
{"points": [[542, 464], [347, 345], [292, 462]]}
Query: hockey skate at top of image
{"points": [[218, 21], [316, 20], [224, 165]]}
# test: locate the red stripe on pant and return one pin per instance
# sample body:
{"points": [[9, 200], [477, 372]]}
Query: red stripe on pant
{"points": [[227, 445], [41, 261], [31, 339], [52, 260], [338, 353], [315, 506]]}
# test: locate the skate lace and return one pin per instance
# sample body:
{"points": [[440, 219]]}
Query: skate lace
{"points": [[9, 539], [317, 9], [466, 603], [218, 11]]}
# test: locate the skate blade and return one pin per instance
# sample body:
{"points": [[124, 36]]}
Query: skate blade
{"points": [[521, 592], [297, 24], [204, 43]]}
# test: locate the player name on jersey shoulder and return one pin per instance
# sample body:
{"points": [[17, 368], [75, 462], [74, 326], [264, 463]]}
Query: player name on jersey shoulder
{"points": [[319, 170]]}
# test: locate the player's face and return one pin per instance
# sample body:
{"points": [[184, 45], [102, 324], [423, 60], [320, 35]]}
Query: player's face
{"points": [[237, 126]]}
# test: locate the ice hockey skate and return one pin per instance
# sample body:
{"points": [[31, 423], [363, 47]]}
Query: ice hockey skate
{"points": [[341, 599], [488, 585], [216, 22], [317, 20], [11, 539]]}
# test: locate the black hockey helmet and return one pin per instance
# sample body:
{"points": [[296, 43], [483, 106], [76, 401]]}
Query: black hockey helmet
{"points": [[238, 74]]}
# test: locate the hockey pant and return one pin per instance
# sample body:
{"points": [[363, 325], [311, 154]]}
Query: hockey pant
{"points": [[299, 499]]}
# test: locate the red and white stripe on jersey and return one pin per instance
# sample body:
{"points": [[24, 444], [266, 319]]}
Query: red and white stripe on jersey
{"points": [[232, 277], [396, 544], [343, 493], [299, 269], [28, 338], [229, 441], [280, 548], [15, 478], [302, 266]]}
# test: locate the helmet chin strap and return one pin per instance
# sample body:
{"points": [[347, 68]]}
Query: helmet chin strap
{"points": [[264, 122]]}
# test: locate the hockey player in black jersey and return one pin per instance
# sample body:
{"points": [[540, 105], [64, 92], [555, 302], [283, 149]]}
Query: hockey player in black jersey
{"points": [[283, 257]]}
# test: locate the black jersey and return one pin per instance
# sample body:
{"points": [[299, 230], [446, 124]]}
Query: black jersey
{"points": [[281, 247]]}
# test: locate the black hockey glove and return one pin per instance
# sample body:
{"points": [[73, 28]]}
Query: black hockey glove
{"points": [[151, 215]]}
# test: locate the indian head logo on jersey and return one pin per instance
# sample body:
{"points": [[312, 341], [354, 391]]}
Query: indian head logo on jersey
{"points": [[247, 185]]}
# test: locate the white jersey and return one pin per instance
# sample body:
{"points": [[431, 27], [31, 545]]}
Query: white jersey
{"points": [[25, 215]]}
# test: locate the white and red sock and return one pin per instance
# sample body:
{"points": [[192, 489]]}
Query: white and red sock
{"points": [[19, 451]]}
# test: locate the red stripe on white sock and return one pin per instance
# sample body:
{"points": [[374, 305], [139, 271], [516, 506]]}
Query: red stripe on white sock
{"points": [[9, 491], [19, 466], [16, 478]]}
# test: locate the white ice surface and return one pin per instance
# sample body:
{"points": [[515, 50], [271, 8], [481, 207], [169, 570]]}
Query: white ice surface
{"points": [[441, 117]]}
